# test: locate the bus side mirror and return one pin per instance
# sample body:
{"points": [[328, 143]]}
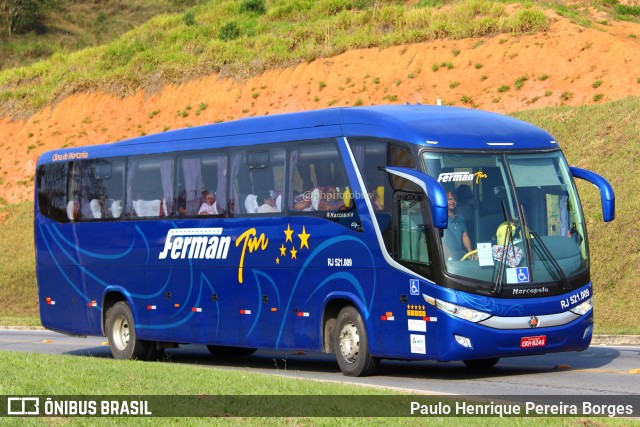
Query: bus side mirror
{"points": [[435, 193], [607, 197]]}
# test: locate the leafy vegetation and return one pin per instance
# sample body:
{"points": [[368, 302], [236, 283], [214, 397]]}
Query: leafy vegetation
{"points": [[38, 29], [244, 38], [581, 12], [17, 267], [21, 16]]}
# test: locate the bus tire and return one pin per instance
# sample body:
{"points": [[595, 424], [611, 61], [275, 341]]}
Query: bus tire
{"points": [[121, 333], [225, 351], [481, 363], [351, 344]]}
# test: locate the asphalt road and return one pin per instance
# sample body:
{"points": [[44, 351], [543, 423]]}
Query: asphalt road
{"points": [[600, 370]]}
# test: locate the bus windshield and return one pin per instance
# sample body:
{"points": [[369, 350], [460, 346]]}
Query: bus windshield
{"points": [[514, 219]]}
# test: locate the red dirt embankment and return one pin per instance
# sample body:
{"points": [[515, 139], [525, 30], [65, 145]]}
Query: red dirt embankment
{"points": [[568, 64]]}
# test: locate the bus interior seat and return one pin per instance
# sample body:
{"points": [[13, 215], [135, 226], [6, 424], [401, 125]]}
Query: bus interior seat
{"points": [[148, 208], [95, 208], [251, 203], [279, 203], [116, 209], [70, 210]]}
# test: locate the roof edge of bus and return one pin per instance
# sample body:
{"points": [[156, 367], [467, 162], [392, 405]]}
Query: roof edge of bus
{"points": [[427, 125]]}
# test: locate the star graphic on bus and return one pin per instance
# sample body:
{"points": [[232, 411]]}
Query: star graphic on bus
{"points": [[304, 238], [288, 232], [292, 249]]}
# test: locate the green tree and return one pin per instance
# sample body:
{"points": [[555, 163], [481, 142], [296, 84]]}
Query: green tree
{"points": [[21, 16]]}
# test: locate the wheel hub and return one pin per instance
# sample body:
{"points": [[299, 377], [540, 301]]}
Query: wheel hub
{"points": [[349, 342], [121, 333]]}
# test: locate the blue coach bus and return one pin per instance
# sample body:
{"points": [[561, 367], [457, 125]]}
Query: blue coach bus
{"points": [[390, 232]]}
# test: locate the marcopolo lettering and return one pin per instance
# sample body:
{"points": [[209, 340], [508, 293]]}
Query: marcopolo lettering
{"points": [[196, 243]]}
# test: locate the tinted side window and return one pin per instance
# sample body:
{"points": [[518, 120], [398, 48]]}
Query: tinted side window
{"points": [[371, 156], [401, 157], [101, 189], [257, 180], [52, 191], [149, 186], [202, 184], [318, 179], [318, 184]]}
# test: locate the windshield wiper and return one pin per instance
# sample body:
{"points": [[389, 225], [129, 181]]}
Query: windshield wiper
{"points": [[546, 253], [497, 288]]}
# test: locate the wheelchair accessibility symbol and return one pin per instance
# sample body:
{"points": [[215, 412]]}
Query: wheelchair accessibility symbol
{"points": [[414, 286], [522, 274]]}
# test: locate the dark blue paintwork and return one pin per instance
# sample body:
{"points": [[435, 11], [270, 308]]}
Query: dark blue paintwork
{"points": [[607, 196], [281, 300]]}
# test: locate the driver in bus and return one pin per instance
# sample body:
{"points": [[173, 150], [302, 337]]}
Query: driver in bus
{"points": [[455, 240]]}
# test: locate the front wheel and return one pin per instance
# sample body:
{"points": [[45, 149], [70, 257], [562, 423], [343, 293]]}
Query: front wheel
{"points": [[481, 363], [352, 344], [121, 333]]}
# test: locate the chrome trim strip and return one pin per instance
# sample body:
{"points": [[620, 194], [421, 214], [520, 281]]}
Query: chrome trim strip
{"points": [[544, 321]]}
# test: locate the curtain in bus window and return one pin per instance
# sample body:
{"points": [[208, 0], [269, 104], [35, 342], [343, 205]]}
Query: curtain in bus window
{"points": [[235, 167], [73, 191], [192, 184], [166, 175], [279, 170], [131, 173], [293, 160], [221, 188], [86, 192]]}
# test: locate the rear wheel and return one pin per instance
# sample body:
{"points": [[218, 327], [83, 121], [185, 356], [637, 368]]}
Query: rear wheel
{"points": [[225, 351], [481, 363], [352, 345], [121, 333]]}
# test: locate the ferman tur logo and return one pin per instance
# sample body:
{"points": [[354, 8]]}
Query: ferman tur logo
{"points": [[461, 176], [208, 243], [196, 243]]}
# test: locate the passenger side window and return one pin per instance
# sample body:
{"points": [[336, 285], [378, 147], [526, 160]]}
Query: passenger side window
{"points": [[149, 187], [412, 244], [401, 156], [52, 191], [258, 178], [318, 184], [101, 189], [371, 156], [202, 184]]}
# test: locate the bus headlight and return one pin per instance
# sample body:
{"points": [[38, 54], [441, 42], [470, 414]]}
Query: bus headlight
{"points": [[583, 308], [465, 313]]}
